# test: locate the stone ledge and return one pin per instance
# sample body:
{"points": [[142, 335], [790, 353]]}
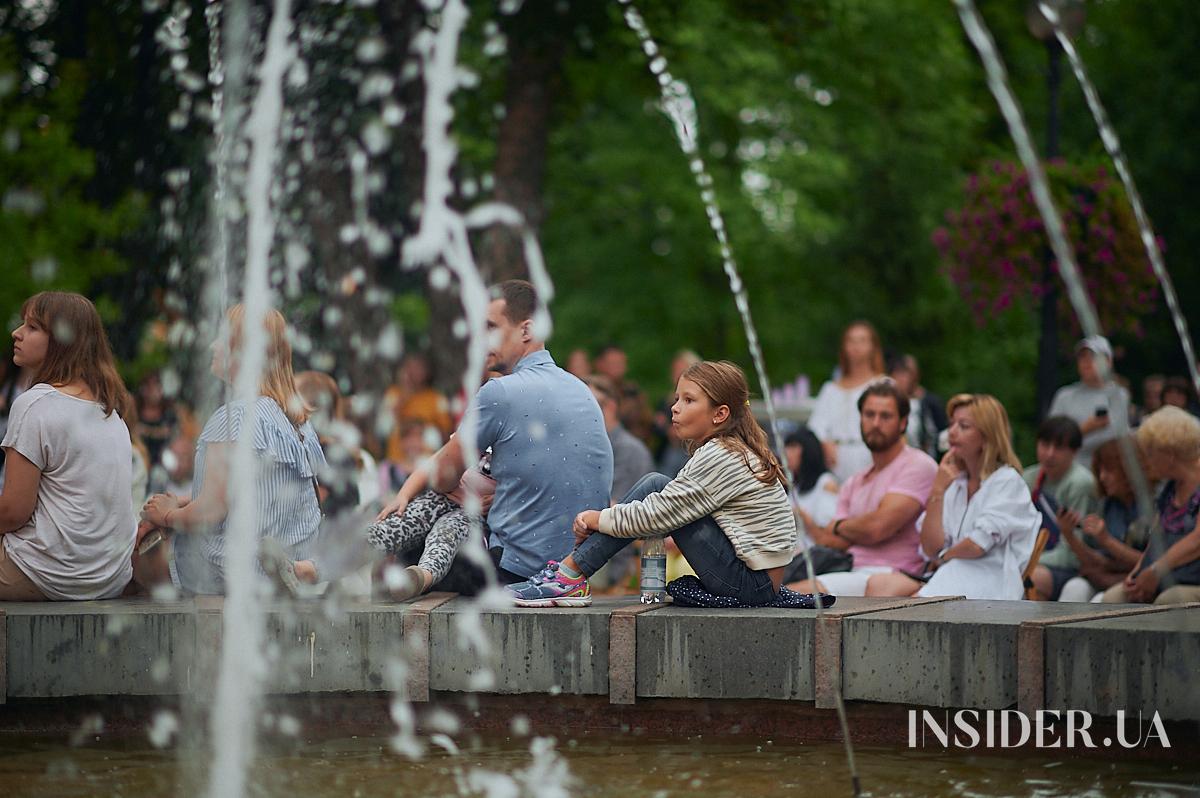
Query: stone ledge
{"points": [[951, 653]]}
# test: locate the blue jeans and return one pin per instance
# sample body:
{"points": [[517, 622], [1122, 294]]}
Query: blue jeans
{"points": [[703, 544]]}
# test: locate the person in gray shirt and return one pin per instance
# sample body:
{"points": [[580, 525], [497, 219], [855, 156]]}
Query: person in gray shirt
{"points": [[551, 458], [631, 458], [1101, 409]]}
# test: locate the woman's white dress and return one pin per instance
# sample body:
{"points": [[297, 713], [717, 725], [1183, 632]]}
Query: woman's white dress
{"points": [[1001, 519], [835, 419]]}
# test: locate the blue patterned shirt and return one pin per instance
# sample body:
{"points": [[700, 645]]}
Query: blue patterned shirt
{"points": [[286, 459]]}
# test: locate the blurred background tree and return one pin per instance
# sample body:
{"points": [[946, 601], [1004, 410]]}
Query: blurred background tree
{"points": [[838, 132]]}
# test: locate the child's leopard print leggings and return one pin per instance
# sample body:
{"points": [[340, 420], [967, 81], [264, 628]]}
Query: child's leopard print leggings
{"points": [[430, 519]]}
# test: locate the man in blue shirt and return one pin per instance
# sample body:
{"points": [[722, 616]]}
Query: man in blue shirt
{"points": [[551, 457]]}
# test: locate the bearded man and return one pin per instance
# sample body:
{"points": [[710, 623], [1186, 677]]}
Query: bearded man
{"points": [[878, 508]]}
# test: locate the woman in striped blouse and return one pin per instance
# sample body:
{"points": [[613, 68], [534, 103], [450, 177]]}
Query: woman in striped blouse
{"points": [[288, 456], [727, 510]]}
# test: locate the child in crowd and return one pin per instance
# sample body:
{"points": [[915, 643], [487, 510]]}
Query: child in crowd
{"points": [[348, 482], [727, 509], [65, 515], [419, 517], [979, 525], [1065, 493], [287, 459], [1113, 539]]}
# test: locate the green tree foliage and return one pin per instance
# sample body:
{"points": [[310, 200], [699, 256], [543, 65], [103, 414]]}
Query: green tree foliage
{"points": [[54, 236], [836, 134]]}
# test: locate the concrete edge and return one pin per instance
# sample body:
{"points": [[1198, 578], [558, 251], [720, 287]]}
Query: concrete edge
{"points": [[417, 634], [210, 633], [827, 644], [892, 604], [622, 651], [1031, 647]]}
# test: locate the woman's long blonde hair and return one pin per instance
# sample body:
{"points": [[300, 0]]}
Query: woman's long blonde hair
{"points": [[278, 381], [992, 422], [725, 384]]}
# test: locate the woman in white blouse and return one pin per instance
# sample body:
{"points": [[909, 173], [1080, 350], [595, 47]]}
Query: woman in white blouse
{"points": [[980, 523], [834, 417]]}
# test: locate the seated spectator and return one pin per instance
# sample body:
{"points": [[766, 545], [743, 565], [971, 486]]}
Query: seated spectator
{"points": [[415, 442], [1100, 408], [634, 410], [348, 482], [631, 462], [16, 380], [979, 524], [1065, 492], [727, 510], [287, 458], [834, 418], [631, 458], [579, 363], [1178, 392], [550, 454], [66, 519], [814, 490], [1169, 570], [878, 507], [413, 399], [927, 418], [1113, 539], [670, 453], [157, 423], [1152, 388]]}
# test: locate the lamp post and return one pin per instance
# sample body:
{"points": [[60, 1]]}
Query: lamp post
{"points": [[1071, 17]]}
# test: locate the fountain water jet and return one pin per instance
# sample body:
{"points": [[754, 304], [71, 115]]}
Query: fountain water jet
{"points": [[242, 666], [997, 79], [680, 107], [1108, 135]]}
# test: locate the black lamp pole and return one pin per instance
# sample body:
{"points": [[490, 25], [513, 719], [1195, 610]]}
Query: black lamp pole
{"points": [[1071, 18], [1047, 368]]}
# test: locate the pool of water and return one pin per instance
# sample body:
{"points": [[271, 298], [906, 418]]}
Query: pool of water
{"points": [[596, 766]]}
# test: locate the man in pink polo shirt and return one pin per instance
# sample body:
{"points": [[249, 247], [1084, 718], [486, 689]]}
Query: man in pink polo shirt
{"points": [[878, 508]]}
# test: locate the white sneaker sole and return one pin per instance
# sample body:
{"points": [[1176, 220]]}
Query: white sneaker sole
{"points": [[586, 601]]}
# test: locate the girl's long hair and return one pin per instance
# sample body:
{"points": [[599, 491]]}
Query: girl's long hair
{"points": [[78, 349], [725, 384], [277, 381], [992, 422]]}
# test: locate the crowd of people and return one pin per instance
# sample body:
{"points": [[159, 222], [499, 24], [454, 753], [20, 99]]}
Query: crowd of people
{"points": [[887, 491]]}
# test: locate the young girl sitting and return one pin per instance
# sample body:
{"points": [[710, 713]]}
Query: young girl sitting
{"points": [[66, 518], [980, 523], [727, 509]]}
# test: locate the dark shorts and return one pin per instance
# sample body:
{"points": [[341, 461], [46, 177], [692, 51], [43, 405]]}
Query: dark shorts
{"points": [[1059, 577]]}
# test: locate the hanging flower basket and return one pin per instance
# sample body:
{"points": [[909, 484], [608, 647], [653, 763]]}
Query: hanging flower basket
{"points": [[994, 247]]}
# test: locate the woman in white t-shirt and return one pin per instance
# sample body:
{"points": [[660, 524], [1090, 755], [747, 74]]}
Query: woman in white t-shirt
{"points": [[834, 417], [980, 523], [66, 520]]}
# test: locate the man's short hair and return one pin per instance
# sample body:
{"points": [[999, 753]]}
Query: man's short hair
{"points": [[1060, 431], [520, 299], [603, 386], [886, 387]]}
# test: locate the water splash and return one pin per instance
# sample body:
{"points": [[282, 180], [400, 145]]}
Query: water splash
{"points": [[1112, 144], [242, 665], [680, 107]]}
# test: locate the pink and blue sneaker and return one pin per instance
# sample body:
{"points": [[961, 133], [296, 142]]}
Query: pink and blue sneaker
{"points": [[550, 588]]}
